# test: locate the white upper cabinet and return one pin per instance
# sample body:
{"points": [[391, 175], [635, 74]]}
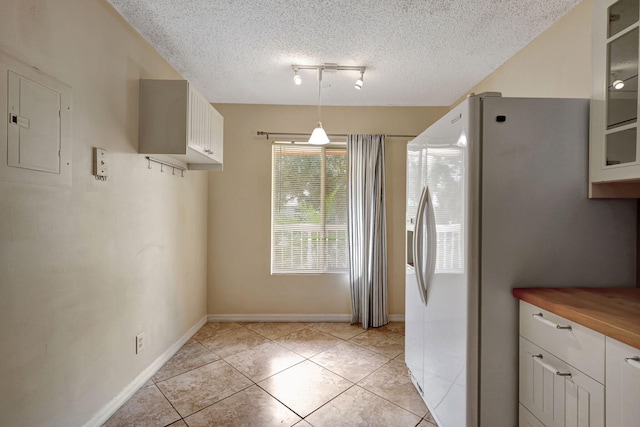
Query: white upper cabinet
{"points": [[176, 120], [614, 153]]}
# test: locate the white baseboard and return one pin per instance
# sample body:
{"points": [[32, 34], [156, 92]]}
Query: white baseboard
{"points": [[110, 408], [290, 318]]}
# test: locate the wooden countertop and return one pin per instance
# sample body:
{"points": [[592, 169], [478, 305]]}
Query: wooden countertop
{"points": [[614, 312]]}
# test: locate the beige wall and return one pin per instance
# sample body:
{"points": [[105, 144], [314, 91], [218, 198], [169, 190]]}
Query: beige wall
{"points": [[239, 210], [556, 64], [85, 269]]}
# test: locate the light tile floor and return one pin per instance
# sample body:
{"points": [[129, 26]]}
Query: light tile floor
{"points": [[281, 374]]}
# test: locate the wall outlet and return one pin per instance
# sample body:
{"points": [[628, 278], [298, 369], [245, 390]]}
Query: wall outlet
{"points": [[141, 342]]}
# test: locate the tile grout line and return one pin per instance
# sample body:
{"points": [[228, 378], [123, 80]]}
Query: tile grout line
{"points": [[281, 402], [174, 408], [329, 401], [184, 372]]}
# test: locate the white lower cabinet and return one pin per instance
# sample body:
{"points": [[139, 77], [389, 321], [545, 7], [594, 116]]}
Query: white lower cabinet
{"points": [[556, 393], [527, 419], [623, 384], [553, 392]]}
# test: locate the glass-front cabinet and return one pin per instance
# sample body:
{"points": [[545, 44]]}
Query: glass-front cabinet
{"points": [[614, 152]]}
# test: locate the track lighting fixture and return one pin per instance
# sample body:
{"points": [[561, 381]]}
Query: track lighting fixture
{"points": [[328, 67], [319, 136]]}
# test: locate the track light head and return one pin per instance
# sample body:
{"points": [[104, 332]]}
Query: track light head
{"points": [[296, 77], [360, 81], [618, 84]]}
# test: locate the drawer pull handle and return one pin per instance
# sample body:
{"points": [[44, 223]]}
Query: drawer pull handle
{"points": [[633, 361], [540, 318], [538, 359]]}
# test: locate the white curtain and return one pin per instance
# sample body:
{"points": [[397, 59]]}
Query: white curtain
{"points": [[367, 230]]}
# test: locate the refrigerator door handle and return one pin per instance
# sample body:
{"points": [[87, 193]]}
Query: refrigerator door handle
{"points": [[417, 245], [432, 242]]}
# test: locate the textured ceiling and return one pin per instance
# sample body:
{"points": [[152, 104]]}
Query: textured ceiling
{"points": [[417, 52]]}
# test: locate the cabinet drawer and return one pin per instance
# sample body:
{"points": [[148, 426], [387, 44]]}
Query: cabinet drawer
{"points": [[556, 393], [576, 345], [623, 384]]}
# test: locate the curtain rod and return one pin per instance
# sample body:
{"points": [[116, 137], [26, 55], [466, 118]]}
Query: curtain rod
{"points": [[344, 135]]}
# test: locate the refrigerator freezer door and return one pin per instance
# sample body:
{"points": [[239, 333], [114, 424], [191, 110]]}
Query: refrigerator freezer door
{"points": [[414, 305], [444, 238], [446, 315], [438, 334], [414, 337]]}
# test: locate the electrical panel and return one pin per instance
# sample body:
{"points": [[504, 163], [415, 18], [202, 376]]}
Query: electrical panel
{"points": [[37, 126], [34, 125]]}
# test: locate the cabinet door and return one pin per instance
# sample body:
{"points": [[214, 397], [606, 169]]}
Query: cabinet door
{"points": [[614, 153], [200, 122], [556, 393], [217, 134], [527, 419], [623, 384]]}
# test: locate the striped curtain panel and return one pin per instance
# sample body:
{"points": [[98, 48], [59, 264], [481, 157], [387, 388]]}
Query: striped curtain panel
{"points": [[367, 230]]}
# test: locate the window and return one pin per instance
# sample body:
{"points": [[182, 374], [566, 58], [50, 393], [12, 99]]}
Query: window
{"points": [[309, 209]]}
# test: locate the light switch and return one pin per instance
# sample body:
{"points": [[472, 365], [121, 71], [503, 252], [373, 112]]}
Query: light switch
{"points": [[100, 164]]}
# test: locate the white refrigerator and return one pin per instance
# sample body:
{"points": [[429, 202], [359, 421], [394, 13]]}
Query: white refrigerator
{"points": [[497, 199]]}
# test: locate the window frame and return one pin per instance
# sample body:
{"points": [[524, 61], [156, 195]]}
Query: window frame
{"points": [[322, 228]]}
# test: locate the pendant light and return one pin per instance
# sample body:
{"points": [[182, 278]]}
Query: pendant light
{"points": [[319, 136]]}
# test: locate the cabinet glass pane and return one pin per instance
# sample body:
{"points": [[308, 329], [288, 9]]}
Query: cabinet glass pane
{"points": [[622, 92], [622, 14], [621, 147]]}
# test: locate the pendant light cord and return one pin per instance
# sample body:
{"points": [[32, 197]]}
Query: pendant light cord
{"points": [[319, 92]]}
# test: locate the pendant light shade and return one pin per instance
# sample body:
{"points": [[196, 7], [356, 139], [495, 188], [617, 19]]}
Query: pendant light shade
{"points": [[319, 136]]}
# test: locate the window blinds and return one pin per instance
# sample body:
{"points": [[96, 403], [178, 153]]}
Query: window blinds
{"points": [[309, 209]]}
